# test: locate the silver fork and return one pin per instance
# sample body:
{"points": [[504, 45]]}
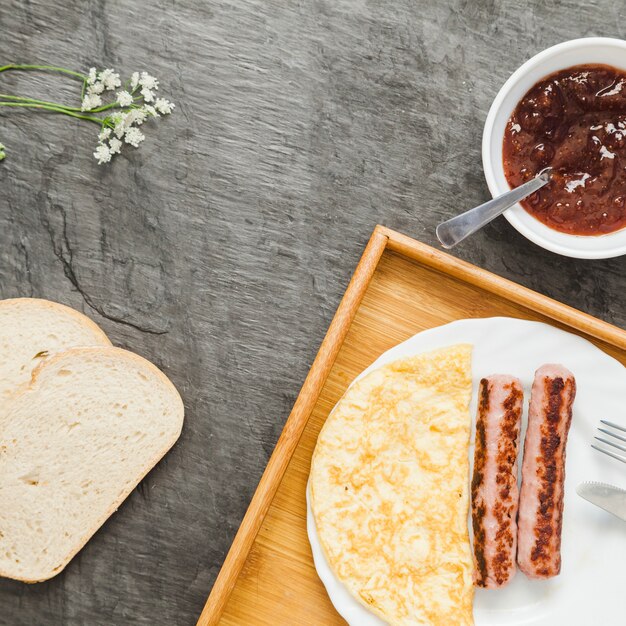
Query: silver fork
{"points": [[621, 448]]}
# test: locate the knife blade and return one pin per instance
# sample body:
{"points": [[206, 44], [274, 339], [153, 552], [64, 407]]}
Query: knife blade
{"points": [[607, 497]]}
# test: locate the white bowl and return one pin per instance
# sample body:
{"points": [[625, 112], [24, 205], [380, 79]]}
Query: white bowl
{"points": [[600, 50]]}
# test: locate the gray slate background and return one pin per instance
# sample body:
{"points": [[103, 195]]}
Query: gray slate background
{"points": [[220, 249]]}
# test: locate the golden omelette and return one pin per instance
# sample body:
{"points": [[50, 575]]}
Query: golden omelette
{"points": [[389, 490]]}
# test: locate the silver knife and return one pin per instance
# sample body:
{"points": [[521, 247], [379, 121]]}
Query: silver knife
{"points": [[607, 497]]}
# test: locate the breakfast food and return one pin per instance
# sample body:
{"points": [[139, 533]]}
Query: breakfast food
{"points": [[75, 442], [543, 472], [31, 330], [573, 121], [494, 483], [389, 489]]}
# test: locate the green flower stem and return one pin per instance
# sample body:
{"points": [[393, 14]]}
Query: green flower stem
{"points": [[56, 109], [56, 105], [105, 107], [111, 105], [4, 96], [49, 68]]}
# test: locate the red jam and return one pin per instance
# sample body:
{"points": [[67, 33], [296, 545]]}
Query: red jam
{"points": [[575, 122]]}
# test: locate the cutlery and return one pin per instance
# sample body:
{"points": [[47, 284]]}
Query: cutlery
{"points": [[607, 497], [620, 457], [456, 229]]}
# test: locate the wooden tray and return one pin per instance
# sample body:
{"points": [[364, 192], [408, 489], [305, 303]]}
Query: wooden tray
{"points": [[399, 288]]}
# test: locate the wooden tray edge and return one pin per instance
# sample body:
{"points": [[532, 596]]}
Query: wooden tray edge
{"points": [[381, 238], [503, 287], [294, 426]]}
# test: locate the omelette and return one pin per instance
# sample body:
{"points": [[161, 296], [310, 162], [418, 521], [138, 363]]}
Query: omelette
{"points": [[389, 490]]}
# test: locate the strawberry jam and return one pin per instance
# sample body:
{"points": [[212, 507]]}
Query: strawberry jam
{"points": [[575, 122]]}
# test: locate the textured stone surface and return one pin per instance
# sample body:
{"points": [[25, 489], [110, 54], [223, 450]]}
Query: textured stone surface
{"points": [[221, 248]]}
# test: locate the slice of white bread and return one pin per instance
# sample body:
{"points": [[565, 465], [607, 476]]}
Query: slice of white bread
{"points": [[73, 444], [31, 330]]}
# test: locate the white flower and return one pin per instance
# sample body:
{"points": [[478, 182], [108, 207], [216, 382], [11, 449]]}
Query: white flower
{"points": [[96, 88], [136, 116], [148, 94], [102, 153], [124, 99], [115, 145], [120, 124], [91, 101], [148, 82], [134, 137], [2, 152], [110, 79], [163, 106]]}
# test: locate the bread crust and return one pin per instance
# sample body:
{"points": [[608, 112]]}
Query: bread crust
{"points": [[62, 309]]}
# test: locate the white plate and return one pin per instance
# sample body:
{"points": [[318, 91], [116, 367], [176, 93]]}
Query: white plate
{"points": [[590, 587]]}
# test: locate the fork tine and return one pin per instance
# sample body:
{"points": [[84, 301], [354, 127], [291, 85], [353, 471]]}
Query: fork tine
{"points": [[615, 456], [612, 425], [608, 432], [610, 443]]}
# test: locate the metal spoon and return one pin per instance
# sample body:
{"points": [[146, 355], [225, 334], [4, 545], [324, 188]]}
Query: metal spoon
{"points": [[454, 230]]}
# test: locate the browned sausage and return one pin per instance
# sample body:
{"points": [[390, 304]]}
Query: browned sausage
{"points": [[494, 483], [543, 472]]}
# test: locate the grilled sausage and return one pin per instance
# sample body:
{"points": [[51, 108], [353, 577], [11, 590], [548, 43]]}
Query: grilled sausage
{"points": [[543, 472], [494, 483]]}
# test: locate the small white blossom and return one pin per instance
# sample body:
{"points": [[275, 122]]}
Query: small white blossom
{"points": [[102, 153], [136, 116], [2, 152], [150, 110], [134, 137], [90, 102], [120, 124], [124, 99], [148, 94], [110, 79], [163, 106], [115, 145], [96, 88], [148, 82]]}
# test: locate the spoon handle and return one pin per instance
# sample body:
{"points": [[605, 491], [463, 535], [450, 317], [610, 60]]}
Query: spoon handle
{"points": [[461, 226]]}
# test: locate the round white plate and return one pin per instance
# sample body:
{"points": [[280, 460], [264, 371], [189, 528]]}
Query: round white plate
{"points": [[590, 587]]}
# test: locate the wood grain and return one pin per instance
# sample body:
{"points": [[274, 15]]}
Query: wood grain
{"points": [[399, 288]]}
